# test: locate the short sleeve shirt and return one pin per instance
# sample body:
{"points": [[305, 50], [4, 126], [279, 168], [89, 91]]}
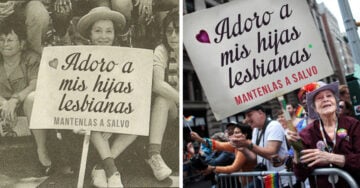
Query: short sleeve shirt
{"points": [[19, 79]]}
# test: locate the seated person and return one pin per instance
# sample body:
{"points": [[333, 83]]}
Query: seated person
{"points": [[18, 81]]}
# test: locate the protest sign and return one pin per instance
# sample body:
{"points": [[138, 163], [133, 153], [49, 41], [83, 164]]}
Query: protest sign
{"points": [[94, 88], [250, 51]]}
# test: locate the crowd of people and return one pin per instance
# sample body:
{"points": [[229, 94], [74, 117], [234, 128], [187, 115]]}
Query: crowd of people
{"points": [[326, 129], [26, 27]]}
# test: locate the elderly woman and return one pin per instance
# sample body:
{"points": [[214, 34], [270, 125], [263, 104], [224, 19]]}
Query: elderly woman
{"points": [[100, 26], [18, 75], [330, 141]]}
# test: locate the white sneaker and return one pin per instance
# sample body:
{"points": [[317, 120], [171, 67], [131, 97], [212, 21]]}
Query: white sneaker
{"points": [[115, 180], [159, 168], [98, 177]]}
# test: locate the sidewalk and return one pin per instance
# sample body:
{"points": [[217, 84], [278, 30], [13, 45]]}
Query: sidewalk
{"points": [[20, 166]]}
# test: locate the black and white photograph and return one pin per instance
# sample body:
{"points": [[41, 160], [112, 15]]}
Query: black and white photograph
{"points": [[89, 93]]}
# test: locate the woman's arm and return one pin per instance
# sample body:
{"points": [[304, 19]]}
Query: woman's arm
{"points": [[239, 161], [160, 86]]}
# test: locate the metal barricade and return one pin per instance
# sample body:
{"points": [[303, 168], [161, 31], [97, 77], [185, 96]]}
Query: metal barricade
{"points": [[241, 179]]}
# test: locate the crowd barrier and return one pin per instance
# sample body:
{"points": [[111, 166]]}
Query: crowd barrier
{"points": [[238, 179]]}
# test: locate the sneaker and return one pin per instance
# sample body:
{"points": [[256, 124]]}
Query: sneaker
{"points": [[98, 177], [160, 169], [115, 180]]}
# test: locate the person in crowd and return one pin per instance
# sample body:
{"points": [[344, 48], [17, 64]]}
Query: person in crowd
{"points": [[346, 108], [330, 141], [142, 18], [63, 14], [219, 158], [302, 98], [344, 93], [280, 117], [188, 152], [18, 81], [165, 92], [36, 19], [241, 162], [291, 108], [268, 141], [100, 26]]}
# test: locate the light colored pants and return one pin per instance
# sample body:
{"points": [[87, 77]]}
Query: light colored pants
{"points": [[37, 22]]}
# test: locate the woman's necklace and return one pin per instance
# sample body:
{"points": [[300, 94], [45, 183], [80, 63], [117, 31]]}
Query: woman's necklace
{"points": [[332, 178]]}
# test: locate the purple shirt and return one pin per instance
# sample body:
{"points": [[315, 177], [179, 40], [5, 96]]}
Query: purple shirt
{"points": [[347, 144]]}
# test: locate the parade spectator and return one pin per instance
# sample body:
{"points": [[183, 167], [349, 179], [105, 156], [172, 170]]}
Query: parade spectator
{"points": [[268, 140], [291, 108], [241, 162], [344, 93], [100, 26], [63, 14], [330, 141], [36, 19], [219, 158], [346, 108], [280, 117], [302, 98], [18, 81], [143, 19], [166, 92]]}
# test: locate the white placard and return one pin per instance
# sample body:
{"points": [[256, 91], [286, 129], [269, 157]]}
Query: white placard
{"points": [[250, 51], [94, 88]]}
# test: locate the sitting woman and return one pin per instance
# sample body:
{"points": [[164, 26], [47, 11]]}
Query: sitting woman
{"points": [[165, 92], [100, 26], [241, 163], [18, 74]]}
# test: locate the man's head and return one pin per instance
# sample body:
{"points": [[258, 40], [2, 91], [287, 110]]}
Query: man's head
{"points": [[230, 128], [256, 117], [291, 109]]}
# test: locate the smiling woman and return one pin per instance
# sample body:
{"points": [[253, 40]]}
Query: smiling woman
{"points": [[327, 140]]}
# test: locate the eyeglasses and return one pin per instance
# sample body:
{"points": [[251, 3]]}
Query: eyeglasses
{"points": [[170, 31], [7, 40]]}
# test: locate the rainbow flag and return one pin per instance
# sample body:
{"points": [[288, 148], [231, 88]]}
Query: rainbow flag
{"points": [[299, 111], [272, 181], [189, 118]]}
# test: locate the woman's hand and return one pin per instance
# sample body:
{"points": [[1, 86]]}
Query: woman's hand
{"points": [[195, 136], [292, 136], [315, 157], [8, 109], [238, 140]]}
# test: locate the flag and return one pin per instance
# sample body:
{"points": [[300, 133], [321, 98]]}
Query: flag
{"points": [[189, 118], [272, 181], [299, 111]]}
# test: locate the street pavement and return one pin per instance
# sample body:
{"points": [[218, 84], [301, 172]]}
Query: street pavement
{"points": [[20, 167]]}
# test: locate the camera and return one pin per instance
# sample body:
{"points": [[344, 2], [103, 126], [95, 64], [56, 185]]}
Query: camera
{"points": [[260, 167]]}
